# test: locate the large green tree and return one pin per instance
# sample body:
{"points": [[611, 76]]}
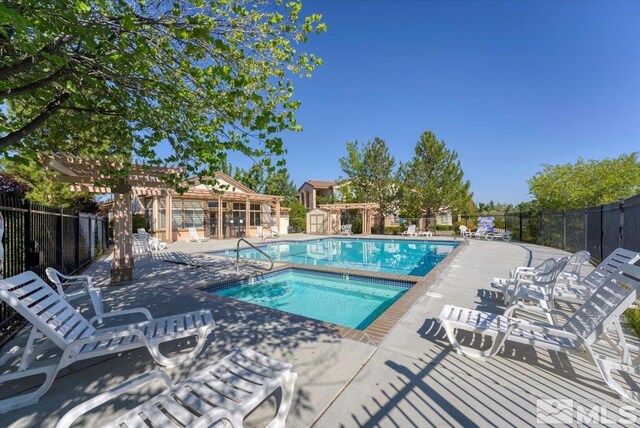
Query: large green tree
{"points": [[40, 190], [586, 183], [432, 180], [119, 78], [369, 169], [279, 183]]}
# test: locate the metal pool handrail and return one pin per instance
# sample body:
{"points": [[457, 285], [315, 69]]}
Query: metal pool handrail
{"points": [[255, 248]]}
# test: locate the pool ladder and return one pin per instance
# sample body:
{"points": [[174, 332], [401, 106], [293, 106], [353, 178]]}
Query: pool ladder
{"points": [[255, 248]]}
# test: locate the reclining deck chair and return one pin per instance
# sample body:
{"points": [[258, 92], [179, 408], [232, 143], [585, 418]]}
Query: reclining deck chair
{"points": [[55, 320], [411, 231], [194, 237], [587, 325], [227, 390], [573, 288]]}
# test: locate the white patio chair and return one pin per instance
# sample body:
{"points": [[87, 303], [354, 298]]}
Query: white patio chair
{"points": [[86, 288], [274, 232], [346, 229], [464, 231], [142, 230], [541, 292], [540, 274], [228, 390], [156, 244], [56, 321], [194, 237], [587, 325], [411, 231]]}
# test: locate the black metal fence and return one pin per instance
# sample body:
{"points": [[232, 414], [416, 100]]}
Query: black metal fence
{"points": [[37, 237], [599, 230]]}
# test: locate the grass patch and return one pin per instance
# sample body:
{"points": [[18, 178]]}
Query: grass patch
{"points": [[633, 318]]}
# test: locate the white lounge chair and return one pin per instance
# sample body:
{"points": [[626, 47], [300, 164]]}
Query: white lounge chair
{"points": [[156, 244], [56, 321], [274, 232], [86, 288], [194, 237], [263, 234], [426, 233], [575, 336], [479, 233], [140, 245], [607, 366], [505, 236], [571, 289], [346, 229], [227, 390], [411, 231]]}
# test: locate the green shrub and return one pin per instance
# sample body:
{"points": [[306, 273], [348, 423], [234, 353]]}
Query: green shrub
{"points": [[392, 230], [633, 318], [356, 226], [298, 224], [443, 227], [298, 217], [139, 222]]}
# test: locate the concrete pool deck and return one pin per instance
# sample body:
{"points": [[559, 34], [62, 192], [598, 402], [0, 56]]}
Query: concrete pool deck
{"points": [[410, 377]]}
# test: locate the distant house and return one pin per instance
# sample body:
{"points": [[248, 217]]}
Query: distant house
{"points": [[228, 210], [309, 192]]}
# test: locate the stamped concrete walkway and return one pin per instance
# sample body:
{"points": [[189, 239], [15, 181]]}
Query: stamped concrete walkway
{"points": [[411, 379]]}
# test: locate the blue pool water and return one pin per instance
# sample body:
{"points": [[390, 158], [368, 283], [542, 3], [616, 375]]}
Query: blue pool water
{"points": [[354, 303], [415, 258]]}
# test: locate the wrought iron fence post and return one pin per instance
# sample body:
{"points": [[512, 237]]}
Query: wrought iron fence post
{"points": [[621, 231], [586, 229], [77, 243], [27, 234], [564, 230], [601, 233], [520, 227], [60, 241]]}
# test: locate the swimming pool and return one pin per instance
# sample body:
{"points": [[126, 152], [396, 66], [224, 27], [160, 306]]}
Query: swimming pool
{"points": [[414, 258], [348, 300]]}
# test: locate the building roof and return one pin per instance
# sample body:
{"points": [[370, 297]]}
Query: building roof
{"points": [[319, 184]]}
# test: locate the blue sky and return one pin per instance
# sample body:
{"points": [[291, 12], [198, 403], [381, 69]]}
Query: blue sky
{"points": [[508, 85]]}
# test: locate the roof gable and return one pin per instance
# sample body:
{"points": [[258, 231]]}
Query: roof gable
{"points": [[319, 184]]}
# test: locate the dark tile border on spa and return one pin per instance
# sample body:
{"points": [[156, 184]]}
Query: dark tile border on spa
{"points": [[378, 330]]}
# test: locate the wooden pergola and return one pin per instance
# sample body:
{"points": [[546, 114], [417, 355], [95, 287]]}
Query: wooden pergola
{"points": [[88, 175], [365, 209]]}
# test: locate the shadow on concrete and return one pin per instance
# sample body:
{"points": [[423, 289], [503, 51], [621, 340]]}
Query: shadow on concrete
{"points": [[164, 289]]}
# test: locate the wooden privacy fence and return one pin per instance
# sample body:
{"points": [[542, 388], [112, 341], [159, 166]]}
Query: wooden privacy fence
{"points": [[37, 237]]}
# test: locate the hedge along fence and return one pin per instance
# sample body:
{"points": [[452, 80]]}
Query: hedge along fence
{"points": [[37, 236]]}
